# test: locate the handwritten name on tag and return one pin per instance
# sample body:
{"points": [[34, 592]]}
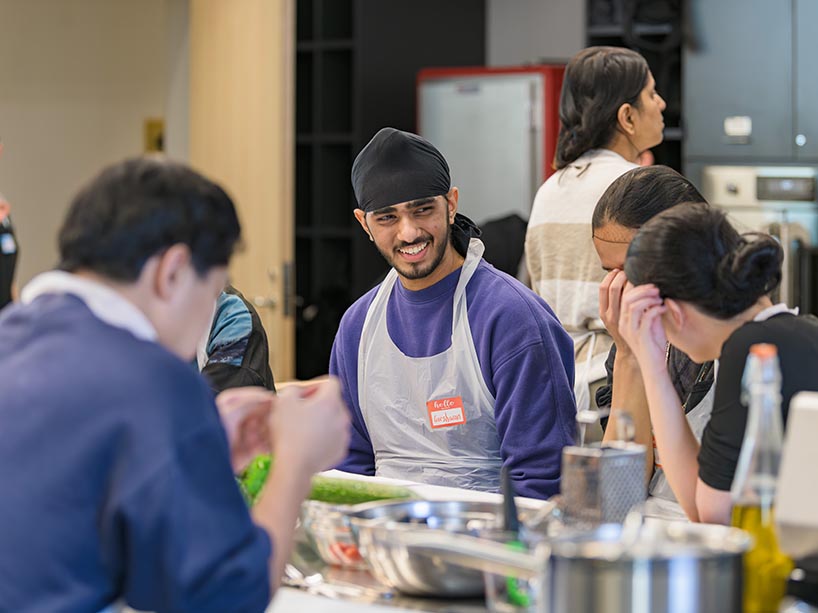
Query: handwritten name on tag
{"points": [[446, 412]]}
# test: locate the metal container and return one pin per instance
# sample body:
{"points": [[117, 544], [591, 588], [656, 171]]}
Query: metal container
{"points": [[602, 483], [662, 568], [677, 568], [398, 564]]}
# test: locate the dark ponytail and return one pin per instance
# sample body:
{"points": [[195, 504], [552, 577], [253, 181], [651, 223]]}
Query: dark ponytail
{"points": [[640, 194], [598, 80], [692, 253]]}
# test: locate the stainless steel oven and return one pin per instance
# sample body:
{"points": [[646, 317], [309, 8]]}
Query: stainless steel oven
{"points": [[778, 200]]}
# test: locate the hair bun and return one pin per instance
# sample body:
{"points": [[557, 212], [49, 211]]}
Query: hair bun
{"points": [[752, 270]]}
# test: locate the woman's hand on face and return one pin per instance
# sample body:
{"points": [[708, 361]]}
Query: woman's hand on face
{"points": [[610, 299], [640, 325]]}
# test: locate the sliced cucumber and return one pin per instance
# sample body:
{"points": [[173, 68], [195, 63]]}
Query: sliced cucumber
{"points": [[332, 490]]}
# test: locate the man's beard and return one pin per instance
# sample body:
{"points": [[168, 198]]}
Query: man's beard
{"points": [[420, 270]]}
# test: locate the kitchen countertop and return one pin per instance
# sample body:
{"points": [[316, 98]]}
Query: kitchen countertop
{"points": [[335, 591], [294, 600], [324, 598]]}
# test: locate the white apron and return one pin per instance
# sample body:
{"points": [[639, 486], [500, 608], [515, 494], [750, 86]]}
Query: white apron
{"points": [[430, 419], [661, 501], [589, 371]]}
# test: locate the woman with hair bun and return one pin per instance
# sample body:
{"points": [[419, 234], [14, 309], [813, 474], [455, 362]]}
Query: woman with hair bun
{"points": [[695, 282], [610, 113]]}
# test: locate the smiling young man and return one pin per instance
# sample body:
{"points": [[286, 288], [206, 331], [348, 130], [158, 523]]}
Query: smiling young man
{"points": [[415, 238], [450, 367]]}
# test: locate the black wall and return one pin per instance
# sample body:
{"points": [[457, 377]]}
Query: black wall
{"points": [[357, 64], [397, 40]]}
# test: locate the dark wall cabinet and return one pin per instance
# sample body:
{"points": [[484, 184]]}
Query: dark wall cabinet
{"points": [[805, 17], [356, 67], [751, 81]]}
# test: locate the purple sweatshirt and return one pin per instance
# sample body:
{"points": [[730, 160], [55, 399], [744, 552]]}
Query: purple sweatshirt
{"points": [[526, 357]]}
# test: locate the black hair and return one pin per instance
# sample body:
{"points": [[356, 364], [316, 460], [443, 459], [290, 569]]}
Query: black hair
{"points": [[640, 194], [692, 253], [136, 209], [598, 80]]}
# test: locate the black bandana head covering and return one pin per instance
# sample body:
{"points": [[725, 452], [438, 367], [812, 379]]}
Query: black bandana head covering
{"points": [[397, 167]]}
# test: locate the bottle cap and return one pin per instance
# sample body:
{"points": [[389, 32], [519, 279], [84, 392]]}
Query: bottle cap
{"points": [[764, 350]]}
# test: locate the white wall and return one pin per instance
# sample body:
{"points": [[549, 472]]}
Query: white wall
{"points": [[530, 31], [77, 80], [177, 116]]}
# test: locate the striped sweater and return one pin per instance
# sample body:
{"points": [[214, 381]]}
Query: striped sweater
{"points": [[559, 250]]}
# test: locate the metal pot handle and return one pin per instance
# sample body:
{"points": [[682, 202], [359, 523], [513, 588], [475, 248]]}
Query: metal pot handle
{"points": [[471, 552], [487, 556]]}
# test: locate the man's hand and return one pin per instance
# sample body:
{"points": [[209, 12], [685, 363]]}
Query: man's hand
{"points": [[309, 432], [245, 414], [310, 426]]}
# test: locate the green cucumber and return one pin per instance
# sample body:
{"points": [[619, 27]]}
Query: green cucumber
{"points": [[331, 490], [252, 479], [349, 491]]}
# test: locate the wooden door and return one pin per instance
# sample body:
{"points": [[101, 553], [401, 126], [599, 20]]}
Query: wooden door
{"points": [[242, 135]]}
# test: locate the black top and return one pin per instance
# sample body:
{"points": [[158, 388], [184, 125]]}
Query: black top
{"points": [[504, 239], [797, 342], [252, 351], [8, 260]]}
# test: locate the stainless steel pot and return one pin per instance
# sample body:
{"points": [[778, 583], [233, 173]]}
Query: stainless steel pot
{"points": [[670, 568], [676, 568]]}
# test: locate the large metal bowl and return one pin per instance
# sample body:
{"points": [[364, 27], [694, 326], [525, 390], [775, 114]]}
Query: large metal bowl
{"points": [[414, 571]]}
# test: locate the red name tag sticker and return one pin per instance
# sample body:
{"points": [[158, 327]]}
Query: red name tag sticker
{"points": [[446, 412]]}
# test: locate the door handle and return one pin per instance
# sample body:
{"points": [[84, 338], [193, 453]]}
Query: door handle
{"points": [[288, 288], [265, 302]]}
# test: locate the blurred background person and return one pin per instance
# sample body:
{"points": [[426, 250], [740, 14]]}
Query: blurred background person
{"points": [[610, 112], [8, 250], [235, 351]]}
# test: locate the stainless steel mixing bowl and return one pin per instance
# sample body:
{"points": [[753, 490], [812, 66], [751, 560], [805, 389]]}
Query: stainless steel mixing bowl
{"points": [[414, 571]]}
